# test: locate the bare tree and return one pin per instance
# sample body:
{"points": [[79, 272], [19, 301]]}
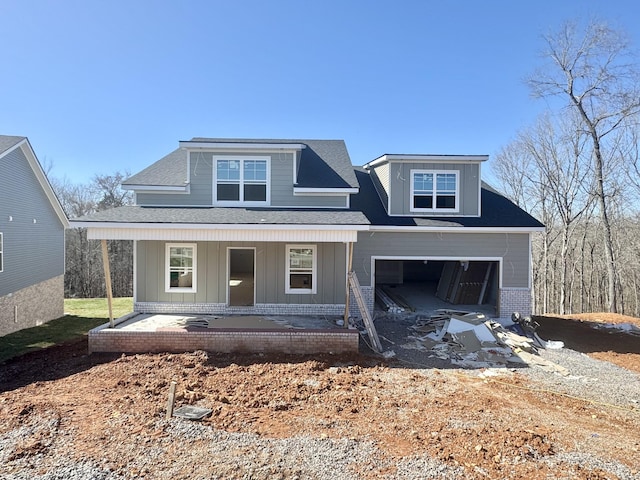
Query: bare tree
{"points": [[593, 71], [83, 271], [545, 170]]}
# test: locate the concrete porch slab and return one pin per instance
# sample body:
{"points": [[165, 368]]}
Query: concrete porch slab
{"points": [[141, 333]]}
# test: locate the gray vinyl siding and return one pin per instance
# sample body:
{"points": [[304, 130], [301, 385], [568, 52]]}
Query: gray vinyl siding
{"points": [[201, 184], [200, 188], [380, 177], [212, 274], [32, 252], [512, 248], [400, 186]]}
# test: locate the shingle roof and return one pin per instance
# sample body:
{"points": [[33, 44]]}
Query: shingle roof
{"points": [[8, 141], [497, 210], [220, 215], [170, 170], [323, 164]]}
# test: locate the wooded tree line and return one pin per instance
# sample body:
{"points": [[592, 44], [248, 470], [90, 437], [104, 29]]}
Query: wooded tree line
{"points": [[84, 273], [577, 171]]}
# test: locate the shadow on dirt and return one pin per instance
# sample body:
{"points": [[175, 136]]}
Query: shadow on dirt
{"points": [[49, 364], [581, 336]]}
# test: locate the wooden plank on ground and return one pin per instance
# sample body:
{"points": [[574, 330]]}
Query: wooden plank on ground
{"points": [[364, 311]]}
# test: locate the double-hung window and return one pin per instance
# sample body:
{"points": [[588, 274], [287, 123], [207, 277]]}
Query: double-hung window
{"points": [[181, 264], [241, 180], [433, 191], [301, 269]]}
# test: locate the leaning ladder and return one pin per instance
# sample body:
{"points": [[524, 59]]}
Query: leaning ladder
{"points": [[366, 316]]}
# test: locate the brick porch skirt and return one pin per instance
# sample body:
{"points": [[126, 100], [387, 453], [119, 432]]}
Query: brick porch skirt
{"points": [[224, 341]]}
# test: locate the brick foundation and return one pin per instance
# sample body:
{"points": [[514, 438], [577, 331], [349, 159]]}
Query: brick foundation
{"points": [[514, 300], [103, 339], [223, 309], [32, 306], [368, 293]]}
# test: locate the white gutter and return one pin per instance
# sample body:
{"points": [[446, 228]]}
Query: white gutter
{"points": [[460, 229], [409, 158], [215, 226], [240, 146], [324, 191]]}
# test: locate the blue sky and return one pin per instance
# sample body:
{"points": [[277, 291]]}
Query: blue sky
{"points": [[111, 85]]}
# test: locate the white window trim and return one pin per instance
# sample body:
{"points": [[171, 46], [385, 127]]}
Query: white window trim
{"points": [[1, 253], [167, 272], [314, 270], [435, 192], [241, 159]]}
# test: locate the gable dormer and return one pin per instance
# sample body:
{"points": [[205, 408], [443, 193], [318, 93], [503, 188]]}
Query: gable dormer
{"points": [[213, 172], [428, 185]]}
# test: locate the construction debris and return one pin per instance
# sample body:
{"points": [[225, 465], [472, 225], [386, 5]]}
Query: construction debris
{"points": [[192, 413], [470, 339], [391, 301]]}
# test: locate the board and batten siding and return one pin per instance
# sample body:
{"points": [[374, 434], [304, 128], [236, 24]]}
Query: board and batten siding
{"points": [[33, 236], [201, 184], [212, 267], [400, 186], [512, 248]]}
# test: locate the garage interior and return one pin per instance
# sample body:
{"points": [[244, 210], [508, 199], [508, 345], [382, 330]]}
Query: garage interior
{"points": [[428, 285]]}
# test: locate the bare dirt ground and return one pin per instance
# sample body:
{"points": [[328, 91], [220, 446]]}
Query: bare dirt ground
{"points": [[61, 407], [610, 345]]}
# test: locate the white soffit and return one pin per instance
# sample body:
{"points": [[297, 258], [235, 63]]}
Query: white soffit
{"points": [[301, 234]]}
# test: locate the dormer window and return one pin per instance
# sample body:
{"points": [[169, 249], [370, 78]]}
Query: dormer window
{"points": [[241, 180], [434, 191]]}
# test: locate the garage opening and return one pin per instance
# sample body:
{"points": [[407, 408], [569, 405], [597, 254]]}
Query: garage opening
{"points": [[427, 285]]}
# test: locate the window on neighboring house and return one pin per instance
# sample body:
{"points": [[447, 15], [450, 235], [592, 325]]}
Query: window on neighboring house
{"points": [[1, 252], [301, 269], [181, 267], [433, 191], [241, 180]]}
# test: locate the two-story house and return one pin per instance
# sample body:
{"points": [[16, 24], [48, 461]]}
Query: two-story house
{"points": [[273, 227], [32, 224]]}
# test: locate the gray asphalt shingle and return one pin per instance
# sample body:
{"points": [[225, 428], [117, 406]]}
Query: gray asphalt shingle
{"points": [[225, 216], [8, 141], [323, 164]]}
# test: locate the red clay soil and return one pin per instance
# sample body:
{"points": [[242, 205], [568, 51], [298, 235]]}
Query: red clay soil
{"points": [[107, 407]]}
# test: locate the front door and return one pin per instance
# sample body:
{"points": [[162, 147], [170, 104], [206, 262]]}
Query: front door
{"points": [[241, 277]]}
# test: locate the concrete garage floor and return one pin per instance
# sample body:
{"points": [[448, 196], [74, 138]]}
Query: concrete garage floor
{"points": [[421, 296], [146, 322]]}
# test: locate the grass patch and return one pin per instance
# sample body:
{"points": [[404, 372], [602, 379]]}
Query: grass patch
{"points": [[81, 315], [97, 307]]}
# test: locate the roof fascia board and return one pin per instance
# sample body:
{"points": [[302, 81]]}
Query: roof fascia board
{"points": [[157, 188], [418, 228], [323, 191], [241, 146], [409, 158], [34, 163], [216, 226]]}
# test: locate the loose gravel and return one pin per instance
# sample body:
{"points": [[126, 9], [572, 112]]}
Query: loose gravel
{"points": [[250, 456]]}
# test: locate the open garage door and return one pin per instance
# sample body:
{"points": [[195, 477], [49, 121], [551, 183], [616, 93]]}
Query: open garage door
{"points": [[426, 285]]}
